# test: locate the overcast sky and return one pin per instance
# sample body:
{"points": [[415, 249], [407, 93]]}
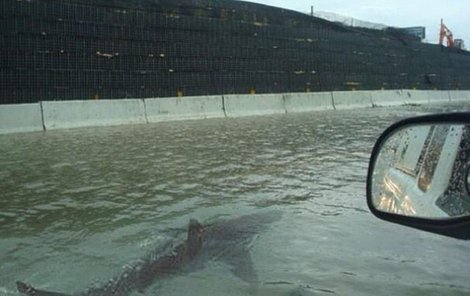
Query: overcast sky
{"points": [[398, 13]]}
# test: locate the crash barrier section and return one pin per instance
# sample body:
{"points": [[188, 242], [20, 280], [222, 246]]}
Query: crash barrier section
{"points": [[438, 96], [408, 97], [20, 118], [415, 97], [250, 105], [307, 102], [352, 99], [71, 114], [459, 95], [183, 108], [386, 98]]}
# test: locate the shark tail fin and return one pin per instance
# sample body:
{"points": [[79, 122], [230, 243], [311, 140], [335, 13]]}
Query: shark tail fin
{"points": [[27, 289]]}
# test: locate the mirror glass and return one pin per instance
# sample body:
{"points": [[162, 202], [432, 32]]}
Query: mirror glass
{"points": [[423, 171]]}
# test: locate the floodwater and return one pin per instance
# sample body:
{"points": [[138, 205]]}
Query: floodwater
{"points": [[78, 205]]}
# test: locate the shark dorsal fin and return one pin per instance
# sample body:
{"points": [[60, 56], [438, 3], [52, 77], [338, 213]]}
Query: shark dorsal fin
{"points": [[194, 241]]}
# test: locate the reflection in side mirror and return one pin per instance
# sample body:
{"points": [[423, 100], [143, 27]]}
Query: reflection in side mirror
{"points": [[422, 170]]}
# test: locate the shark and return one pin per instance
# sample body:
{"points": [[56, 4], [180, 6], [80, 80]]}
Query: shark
{"points": [[229, 241]]}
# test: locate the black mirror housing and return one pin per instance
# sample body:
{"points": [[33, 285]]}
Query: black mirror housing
{"points": [[419, 174]]}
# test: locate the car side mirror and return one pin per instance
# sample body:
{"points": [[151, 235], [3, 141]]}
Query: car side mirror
{"points": [[419, 174]]}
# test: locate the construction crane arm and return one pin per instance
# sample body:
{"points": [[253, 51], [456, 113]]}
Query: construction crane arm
{"points": [[446, 33]]}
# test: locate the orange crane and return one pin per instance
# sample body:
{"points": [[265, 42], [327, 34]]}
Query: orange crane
{"points": [[446, 33], [451, 42]]}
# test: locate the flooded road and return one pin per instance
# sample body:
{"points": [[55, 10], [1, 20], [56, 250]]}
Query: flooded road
{"points": [[78, 205]]}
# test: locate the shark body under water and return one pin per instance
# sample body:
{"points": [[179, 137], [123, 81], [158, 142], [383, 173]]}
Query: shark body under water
{"points": [[228, 241]]}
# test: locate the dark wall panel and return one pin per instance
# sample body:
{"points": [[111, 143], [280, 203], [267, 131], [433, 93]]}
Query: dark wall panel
{"points": [[84, 49]]}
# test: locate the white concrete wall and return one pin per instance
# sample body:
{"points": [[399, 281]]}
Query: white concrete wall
{"points": [[385, 98], [71, 114], [20, 118], [438, 96], [306, 102], [352, 99], [249, 105], [415, 96], [459, 95], [167, 109]]}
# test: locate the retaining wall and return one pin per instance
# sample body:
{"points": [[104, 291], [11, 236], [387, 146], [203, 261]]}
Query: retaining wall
{"points": [[167, 109], [71, 114], [20, 118]]}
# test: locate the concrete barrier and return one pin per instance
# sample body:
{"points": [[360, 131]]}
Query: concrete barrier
{"points": [[20, 118], [459, 95], [385, 98], [249, 105], [438, 96], [352, 99], [306, 102], [71, 114], [415, 96], [167, 109]]}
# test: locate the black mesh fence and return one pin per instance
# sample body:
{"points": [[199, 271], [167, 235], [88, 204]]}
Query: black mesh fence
{"points": [[83, 49]]}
